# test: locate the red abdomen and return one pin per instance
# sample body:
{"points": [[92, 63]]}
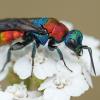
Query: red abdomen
{"points": [[8, 36]]}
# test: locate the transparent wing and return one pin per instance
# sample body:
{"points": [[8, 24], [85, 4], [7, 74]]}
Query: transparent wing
{"points": [[22, 24]]}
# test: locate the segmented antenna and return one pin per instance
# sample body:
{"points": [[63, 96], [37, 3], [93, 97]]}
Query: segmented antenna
{"points": [[90, 53]]}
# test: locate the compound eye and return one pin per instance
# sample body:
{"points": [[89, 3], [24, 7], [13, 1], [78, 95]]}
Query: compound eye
{"points": [[72, 41], [72, 44]]}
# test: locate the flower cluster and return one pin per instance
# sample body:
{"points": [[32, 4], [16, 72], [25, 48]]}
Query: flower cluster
{"points": [[58, 82]]}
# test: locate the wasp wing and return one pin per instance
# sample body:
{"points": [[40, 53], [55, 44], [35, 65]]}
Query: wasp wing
{"points": [[21, 24]]}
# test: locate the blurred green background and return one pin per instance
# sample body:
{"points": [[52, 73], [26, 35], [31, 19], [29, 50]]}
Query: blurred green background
{"points": [[84, 14]]}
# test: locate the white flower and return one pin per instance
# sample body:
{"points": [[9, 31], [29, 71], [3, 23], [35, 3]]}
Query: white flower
{"points": [[59, 83], [62, 80], [5, 96], [19, 92], [57, 88], [94, 44]]}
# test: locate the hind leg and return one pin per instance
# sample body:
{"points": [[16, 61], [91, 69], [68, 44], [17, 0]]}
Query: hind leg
{"points": [[16, 46], [33, 56]]}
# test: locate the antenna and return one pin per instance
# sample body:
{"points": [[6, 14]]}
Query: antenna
{"points": [[90, 53]]}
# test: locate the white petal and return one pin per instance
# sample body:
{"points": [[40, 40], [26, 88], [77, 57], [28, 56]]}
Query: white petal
{"points": [[45, 69], [20, 92], [5, 96], [77, 87], [17, 90], [87, 76], [23, 67], [91, 41], [47, 84], [55, 94]]}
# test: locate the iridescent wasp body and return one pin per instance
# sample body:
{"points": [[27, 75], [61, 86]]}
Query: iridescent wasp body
{"points": [[41, 30]]}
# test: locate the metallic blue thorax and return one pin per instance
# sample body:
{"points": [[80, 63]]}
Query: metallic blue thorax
{"points": [[40, 21], [41, 39]]}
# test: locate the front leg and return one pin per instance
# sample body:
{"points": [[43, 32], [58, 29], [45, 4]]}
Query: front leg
{"points": [[52, 47]]}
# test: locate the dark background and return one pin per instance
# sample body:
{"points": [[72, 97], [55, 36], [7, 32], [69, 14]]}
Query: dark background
{"points": [[84, 14]]}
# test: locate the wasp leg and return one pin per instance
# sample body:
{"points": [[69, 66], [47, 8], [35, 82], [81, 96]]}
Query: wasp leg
{"points": [[16, 46], [33, 56], [62, 58], [52, 47], [7, 60]]}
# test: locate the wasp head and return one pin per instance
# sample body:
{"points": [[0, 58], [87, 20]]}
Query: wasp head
{"points": [[74, 41]]}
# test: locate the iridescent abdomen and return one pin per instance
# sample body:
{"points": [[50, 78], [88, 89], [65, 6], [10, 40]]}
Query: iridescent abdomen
{"points": [[9, 36]]}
